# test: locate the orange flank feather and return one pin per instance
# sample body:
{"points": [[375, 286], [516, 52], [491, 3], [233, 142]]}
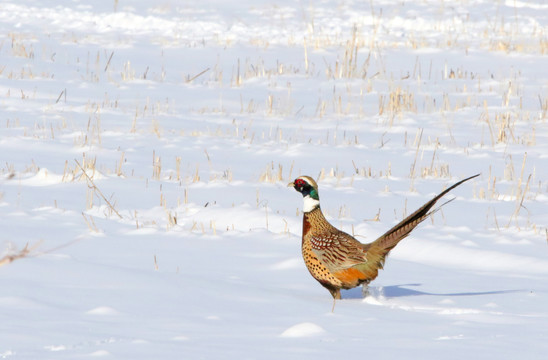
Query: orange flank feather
{"points": [[350, 275]]}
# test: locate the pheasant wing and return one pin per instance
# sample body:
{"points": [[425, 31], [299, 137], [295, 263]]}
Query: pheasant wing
{"points": [[337, 250]]}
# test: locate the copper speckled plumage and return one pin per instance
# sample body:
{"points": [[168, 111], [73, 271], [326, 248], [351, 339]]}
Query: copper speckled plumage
{"points": [[336, 259]]}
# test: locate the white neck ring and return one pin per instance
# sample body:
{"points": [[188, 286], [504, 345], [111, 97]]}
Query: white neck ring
{"points": [[310, 203]]}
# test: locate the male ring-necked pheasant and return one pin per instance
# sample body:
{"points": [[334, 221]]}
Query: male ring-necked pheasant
{"points": [[336, 259]]}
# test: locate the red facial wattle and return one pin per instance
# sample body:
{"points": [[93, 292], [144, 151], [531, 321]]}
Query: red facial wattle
{"points": [[299, 183]]}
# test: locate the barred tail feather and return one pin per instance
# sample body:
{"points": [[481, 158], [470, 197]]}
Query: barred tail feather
{"points": [[393, 236]]}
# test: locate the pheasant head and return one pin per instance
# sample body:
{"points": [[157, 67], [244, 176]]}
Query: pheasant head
{"points": [[309, 189]]}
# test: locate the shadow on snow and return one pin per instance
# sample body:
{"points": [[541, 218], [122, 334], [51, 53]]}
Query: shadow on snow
{"points": [[395, 291]]}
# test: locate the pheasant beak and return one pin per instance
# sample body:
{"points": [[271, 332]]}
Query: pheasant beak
{"points": [[291, 184]]}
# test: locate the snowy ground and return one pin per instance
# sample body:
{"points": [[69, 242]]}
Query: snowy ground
{"points": [[145, 151]]}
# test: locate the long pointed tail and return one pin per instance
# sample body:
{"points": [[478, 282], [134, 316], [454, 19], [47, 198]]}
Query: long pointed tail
{"points": [[393, 236]]}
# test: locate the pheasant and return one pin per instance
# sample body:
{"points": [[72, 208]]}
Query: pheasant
{"points": [[336, 259]]}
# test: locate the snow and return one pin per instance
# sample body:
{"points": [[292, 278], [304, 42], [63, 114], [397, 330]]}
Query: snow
{"points": [[303, 330], [145, 150]]}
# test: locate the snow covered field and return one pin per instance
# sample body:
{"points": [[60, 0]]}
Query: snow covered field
{"points": [[145, 149]]}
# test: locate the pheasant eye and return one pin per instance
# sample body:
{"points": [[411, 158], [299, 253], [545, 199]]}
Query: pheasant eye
{"points": [[300, 182]]}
